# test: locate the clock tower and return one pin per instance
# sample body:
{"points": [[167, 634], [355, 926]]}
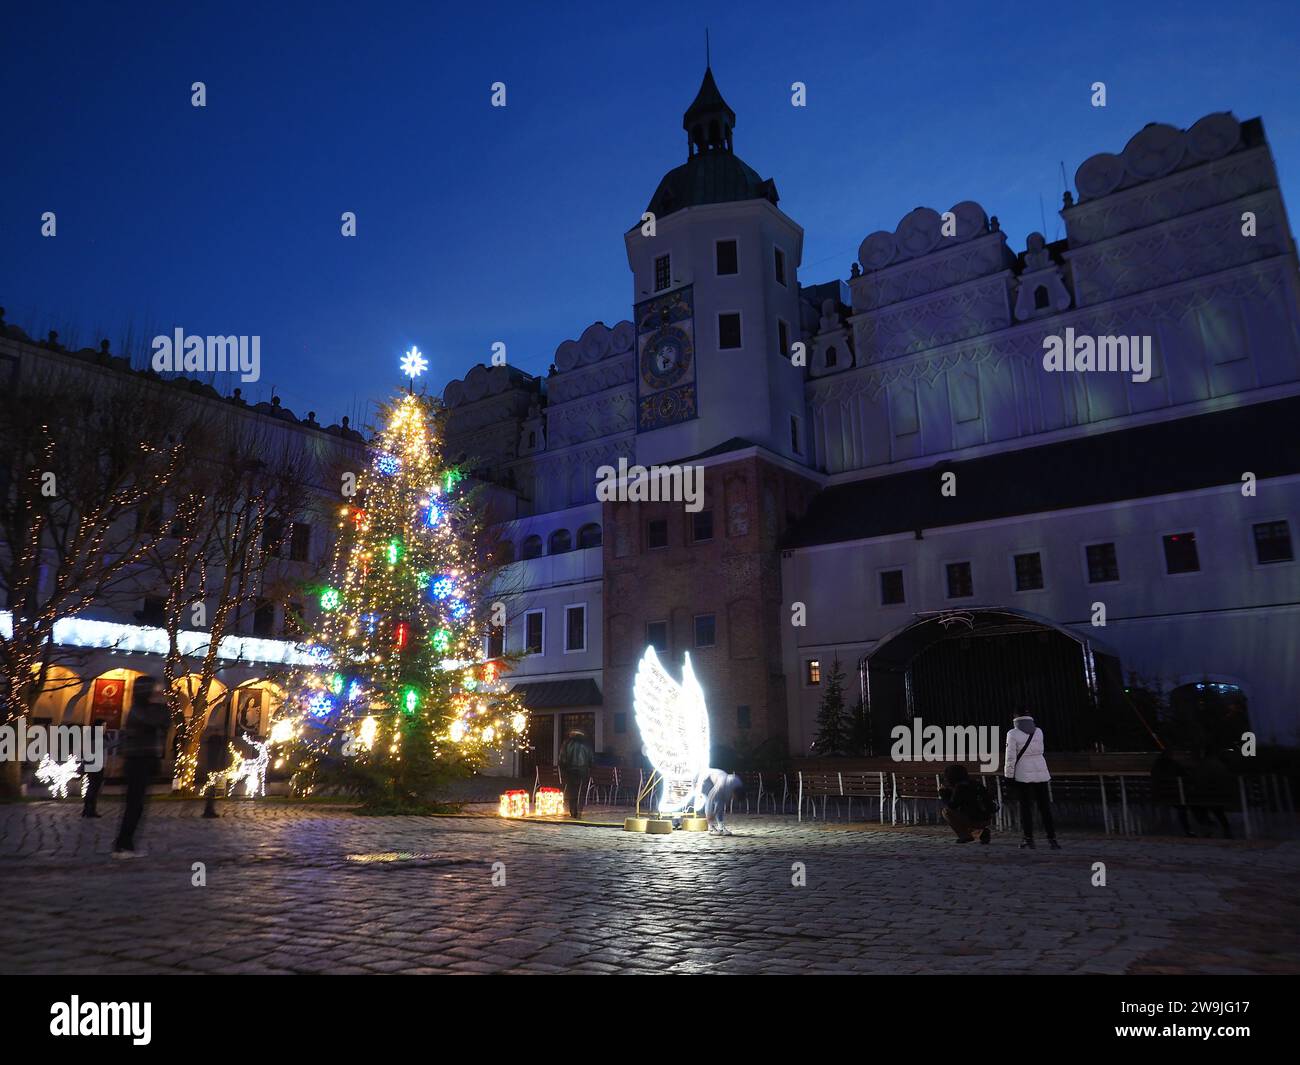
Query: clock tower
{"points": [[714, 265]]}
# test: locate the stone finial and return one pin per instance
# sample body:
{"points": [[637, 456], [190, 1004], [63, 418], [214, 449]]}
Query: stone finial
{"points": [[994, 225], [103, 347], [311, 417], [53, 339], [854, 269], [345, 421], [238, 396], [1067, 200]]}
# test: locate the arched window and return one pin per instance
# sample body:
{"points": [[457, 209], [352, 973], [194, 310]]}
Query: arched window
{"points": [[831, 357], [1041, 299], [560, 542], [533, 547], [589, 536]]}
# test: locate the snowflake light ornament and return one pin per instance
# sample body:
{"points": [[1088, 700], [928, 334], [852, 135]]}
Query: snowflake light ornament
{"points": [[413, 363]]}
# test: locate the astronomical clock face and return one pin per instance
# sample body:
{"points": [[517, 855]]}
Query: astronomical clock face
{"points": [[666, 359]]}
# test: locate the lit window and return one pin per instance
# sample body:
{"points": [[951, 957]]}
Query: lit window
{"points": [[812, 672]]}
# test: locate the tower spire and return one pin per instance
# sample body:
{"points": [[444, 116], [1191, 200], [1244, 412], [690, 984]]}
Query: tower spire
{"points": [[708, 121]]}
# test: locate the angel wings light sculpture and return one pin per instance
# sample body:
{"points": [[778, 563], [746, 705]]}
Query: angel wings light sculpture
{"points": [[674, 726]]}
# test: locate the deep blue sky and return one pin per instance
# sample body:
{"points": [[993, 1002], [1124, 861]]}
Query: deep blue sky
{"points": [[479, 224]]}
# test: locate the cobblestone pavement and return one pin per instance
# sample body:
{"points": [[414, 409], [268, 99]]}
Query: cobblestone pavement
{"points": [[308, 888]]}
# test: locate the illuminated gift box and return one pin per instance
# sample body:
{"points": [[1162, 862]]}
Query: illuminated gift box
{"points": [[550, 802], [514, 803]]}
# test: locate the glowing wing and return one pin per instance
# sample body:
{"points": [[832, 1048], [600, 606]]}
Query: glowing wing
{"points": [[674, 726]]}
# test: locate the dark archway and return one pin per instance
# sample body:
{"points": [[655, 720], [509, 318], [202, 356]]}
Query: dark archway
{"points": [[976, 667]]}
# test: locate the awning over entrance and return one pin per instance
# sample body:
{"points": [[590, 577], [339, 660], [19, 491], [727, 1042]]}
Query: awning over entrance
{"points": [[559, 694]]}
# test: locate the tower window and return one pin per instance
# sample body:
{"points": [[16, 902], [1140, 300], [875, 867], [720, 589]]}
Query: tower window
{"points": [[1273, 542], [783, 338], [729, 330], [832, 357], [663, 272], [778, 265], [728, 260], [795, 444]]}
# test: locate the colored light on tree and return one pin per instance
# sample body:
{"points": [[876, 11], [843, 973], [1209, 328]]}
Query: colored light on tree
{"points": [[385, 570]]}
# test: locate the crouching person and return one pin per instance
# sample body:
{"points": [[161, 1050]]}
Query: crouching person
{"points": [[967, 806]]}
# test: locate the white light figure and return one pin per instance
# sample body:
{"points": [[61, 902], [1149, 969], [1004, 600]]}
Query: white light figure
{"points": [[413, 363], [58, 775], [252, 771], [674, 725]]}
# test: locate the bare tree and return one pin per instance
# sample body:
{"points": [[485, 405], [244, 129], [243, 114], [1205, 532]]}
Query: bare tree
{"points": [[234, 516], [81, 457]]}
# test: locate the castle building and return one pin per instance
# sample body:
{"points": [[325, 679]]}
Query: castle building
{"points": [[974, 477]]}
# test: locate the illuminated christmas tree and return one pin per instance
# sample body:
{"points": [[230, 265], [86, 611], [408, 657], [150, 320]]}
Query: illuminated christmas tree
{"points": [[404, 697]]}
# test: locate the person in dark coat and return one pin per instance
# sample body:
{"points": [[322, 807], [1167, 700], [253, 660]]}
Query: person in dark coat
{"points": [[141, 748], [216, 757], [966, 805], [576, 757], [1210, 790], [95, 781]]}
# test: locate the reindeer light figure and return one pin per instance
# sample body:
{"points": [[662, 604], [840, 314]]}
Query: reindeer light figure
{"points": [[252, 771], [57, 775]]}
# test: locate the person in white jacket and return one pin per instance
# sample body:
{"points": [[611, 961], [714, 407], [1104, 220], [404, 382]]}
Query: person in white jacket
{"points": [[1024, 764]]}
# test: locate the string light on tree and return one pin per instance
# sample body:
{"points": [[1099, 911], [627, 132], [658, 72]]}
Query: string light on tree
{"points": [[405, 630]]}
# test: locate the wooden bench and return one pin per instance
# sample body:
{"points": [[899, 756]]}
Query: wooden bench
{"points": [[867, 786], [818, 785], [914, 788]]}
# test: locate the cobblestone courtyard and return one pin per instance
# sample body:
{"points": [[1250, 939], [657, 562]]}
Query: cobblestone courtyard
{"points": [[306, 889]]}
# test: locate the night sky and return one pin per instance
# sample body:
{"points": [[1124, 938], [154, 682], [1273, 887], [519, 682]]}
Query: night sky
{"points": [[478, 224]]}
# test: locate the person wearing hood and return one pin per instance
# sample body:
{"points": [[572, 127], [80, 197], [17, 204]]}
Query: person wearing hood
{"points": [[1024, 764]]}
